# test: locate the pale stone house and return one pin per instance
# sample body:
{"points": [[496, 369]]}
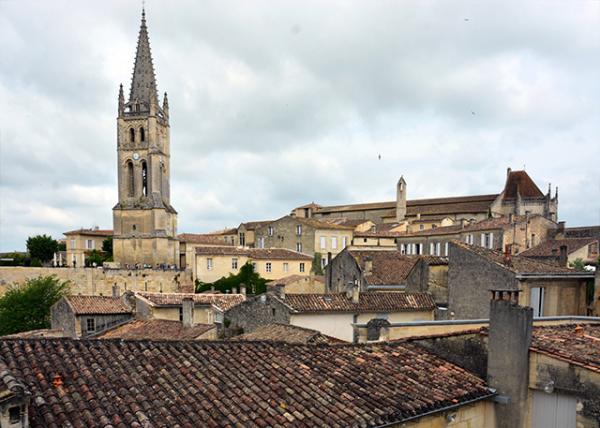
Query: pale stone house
{"points": [[81, 242], [246, 233]]}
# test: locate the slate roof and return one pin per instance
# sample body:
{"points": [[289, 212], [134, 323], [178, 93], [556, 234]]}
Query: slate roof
{"points": [[215, 384], [563, 342], [545, 248], [253, 253], [223, 302], [520, 183], [389, 267], [287, 333], [91, 232], [368, 301], [519, 264], [202, 238], [155, 329], [98, 305]]}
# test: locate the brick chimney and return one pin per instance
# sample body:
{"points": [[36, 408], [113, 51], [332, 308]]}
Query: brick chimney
{"points": [[508, 357], [355, 293], [187, 306], [368, 266], [563, 256], [561, 227], [116, 291]]}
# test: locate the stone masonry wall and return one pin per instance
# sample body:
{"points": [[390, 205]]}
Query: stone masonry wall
{"points": [[257, 311]]}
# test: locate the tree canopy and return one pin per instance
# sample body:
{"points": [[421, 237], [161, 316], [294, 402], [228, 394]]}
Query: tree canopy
{"points": [[317, 268], [42, 247], [253, 281], [27, 307]]}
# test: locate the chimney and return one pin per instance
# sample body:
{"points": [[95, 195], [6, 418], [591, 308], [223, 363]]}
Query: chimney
{"points": [[355, 293], [563, 256], [116, 291], [579, 332], [349, 289], [561, 227], [243, 289], [187, 306], [281, 291], [508, 357], [508, 171], [329, 272], [368, 265]]}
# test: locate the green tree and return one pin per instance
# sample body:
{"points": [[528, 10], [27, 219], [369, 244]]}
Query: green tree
{"points": [[95, 256], [13, 259], [62, 246], [107, 245], [27, 307], [255, 284], [578, 264], [316, 268], [42, 247]]}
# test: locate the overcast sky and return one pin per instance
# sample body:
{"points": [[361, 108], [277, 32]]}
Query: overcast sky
{"points": [[276, 104]]}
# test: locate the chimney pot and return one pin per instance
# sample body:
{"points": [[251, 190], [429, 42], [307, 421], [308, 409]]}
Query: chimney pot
{"points": [[355, 293], [579, 332], [187, 306], [563, 257]]}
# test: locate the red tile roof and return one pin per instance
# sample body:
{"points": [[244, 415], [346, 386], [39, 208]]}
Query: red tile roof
{"points": [[293, 278], [155, 330], [287, 333], [369, 301], [389, 267], [564, 343], [254, 253], [519, 264], [545, 248], [223, 302], [215, 384], [91, 232], [96, 305], [520, 183]]}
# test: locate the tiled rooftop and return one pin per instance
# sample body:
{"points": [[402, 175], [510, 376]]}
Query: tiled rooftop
{"points": [[389, 267], [252, 225], [92, 305], [293, 278], [90, 232], [100, 383], [369, 301], [155, 329], [545, 249], [519, 264], [577, 345], [287, 333], [222, 301], [520, 183], [253, 253]]}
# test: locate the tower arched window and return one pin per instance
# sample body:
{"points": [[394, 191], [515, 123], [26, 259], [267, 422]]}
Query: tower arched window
{"points": [[142, 134], [162, 179], [129, 181], [131, 135], [144, 178]]}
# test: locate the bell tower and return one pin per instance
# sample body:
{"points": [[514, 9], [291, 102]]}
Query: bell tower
{"points": [[144, 222]]}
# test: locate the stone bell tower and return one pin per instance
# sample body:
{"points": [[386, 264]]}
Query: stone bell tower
{"points": [[145, 223]]}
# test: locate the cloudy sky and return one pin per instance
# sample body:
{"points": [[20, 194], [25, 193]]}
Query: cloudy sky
{"points": [[278, 103]]}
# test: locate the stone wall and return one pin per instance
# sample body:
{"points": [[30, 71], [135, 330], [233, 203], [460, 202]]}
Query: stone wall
{"points": [[429, 278], [99, 282], [470, 277], [343, 269], [285, 236], [257, 311], [62, 317]]}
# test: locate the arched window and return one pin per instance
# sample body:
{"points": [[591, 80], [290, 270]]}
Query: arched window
{"points": [[162, 179], [142, 134], [129, 179], [144, 179], [131, 135]]}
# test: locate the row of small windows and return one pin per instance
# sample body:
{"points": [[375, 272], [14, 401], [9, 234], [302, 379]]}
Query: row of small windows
{"points": [[435, 248], [268, 265], [132, 135], [271, 230]]}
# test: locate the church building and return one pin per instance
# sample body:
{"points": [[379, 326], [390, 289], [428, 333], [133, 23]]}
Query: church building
{"points": [[145, 223]]}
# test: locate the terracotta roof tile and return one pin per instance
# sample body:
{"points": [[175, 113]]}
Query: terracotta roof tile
{"points": [[369, 301], [520, 183], [223, 302], [563, 342], [155, 329], [235, 383], [389, 267], [293, 278], [96, 232], [90, 305], [545, 249], [254, 253], [287, 333]]}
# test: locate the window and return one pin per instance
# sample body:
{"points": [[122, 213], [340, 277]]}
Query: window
{"points": [[299, 229], [438, 249], [180, 314], [323, 262], [402, 248], [537, 301], [446, 249], [334, 243], [234, 263], [421, 226], [270, 230], [593, 249], [144, 178], [323, 242], [261, 242], [142, 134], [14, 415], [89, 244], [253, 266], [301, 267], [273, 311], [469, 239], [431, 249], [209, 263], [285, 267], [299, 247], [242, 239], [130, 183], [72, 243], [131, 135], [344, 241], [418, 248], [487, 240], [268, 267], [90, 324]]}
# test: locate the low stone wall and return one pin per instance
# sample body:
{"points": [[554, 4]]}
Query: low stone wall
{"points": [[100, 282]]}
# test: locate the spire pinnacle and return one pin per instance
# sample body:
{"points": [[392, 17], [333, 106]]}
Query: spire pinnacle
{"points": [[143, 82]]}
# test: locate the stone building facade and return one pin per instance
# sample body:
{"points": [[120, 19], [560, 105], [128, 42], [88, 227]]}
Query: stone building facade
{"points": [[145, 222], [81, 242]]}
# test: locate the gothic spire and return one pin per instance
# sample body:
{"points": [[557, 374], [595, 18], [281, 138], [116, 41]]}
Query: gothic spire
{"points": [[143, 83]]}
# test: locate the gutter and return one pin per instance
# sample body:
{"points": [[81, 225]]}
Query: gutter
{"points": [[440, 410], [554, 275]]}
